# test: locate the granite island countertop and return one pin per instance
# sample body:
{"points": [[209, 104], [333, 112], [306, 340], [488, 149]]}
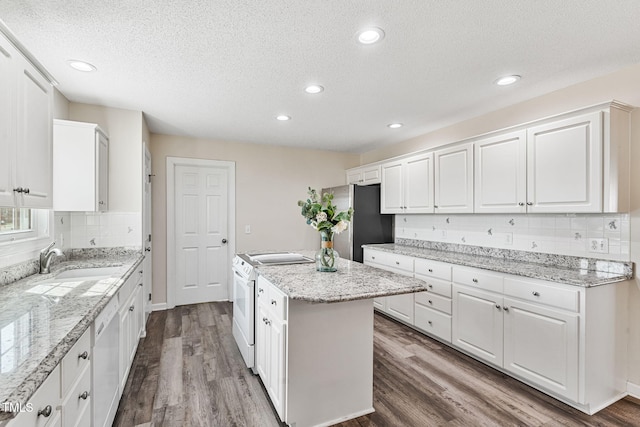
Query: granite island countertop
{"points": [[42, 318], [585, 272], [352, 281]]}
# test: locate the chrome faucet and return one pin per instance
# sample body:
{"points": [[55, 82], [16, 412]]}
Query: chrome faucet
{"points": [[45, 257]]}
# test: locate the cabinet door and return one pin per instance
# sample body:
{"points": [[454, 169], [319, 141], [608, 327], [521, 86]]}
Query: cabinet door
{"points": [[500, 170], [477, 323], [7, 122], [277, 364], [418, 184], [391, 189], [103, 172], [354, 176], [380, 303], [401, 307], [371, 175], [125, 344], [35, 129], [564, 165], [262, 344], [454, 180], [541, 345]]}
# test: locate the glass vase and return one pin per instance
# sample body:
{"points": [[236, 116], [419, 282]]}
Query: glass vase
{"points": [[327, 257]]}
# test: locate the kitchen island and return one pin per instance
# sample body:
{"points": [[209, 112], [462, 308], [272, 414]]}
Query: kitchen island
{"points": [[314, 338]]}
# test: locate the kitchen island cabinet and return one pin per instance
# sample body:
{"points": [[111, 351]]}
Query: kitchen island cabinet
{"points": [[314, 338]]}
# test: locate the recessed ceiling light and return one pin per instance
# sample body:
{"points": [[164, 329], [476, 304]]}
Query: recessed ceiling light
{"points": [[283, 117], [81, 65], [395, 125], [507, 80], [370, 35], [313, 89]]}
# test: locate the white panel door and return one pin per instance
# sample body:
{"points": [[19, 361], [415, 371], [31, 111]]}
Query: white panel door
{"points": [[477, 323], [391, 188], [7, 122], [418, 184], [500, 172], [564, 165], [200, 230], [541, 345], [454, 179], [35, 133]]}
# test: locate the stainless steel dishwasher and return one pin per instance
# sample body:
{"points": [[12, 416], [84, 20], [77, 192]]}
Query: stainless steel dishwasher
{"points": [[106, 350]]}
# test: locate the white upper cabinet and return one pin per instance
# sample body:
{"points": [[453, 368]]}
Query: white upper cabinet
{"points": [[80, 167], [26, 132], [565, 165], [364, 175], [500, 183], [454, 179], [407, 185]]}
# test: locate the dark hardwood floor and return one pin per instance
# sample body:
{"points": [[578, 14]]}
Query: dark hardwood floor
{"points": [[189, 372]]}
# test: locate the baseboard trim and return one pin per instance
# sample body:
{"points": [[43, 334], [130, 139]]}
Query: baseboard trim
{"points": [[347, 417], [633, 390], [159, 307]]}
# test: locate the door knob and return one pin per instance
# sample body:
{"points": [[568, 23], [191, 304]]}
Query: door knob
{"points": [[224, 241]]}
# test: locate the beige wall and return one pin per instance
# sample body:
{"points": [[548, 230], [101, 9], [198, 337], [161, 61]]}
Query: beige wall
{"points": [[624, 86], [125, 128], [269, 182]]}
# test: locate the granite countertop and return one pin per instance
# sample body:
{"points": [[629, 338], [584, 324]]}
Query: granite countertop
{"points": [[585, 272], [42, 317], [352, 281]]}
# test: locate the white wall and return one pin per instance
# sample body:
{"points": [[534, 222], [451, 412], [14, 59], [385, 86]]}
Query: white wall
{"points": [[269, 182]]}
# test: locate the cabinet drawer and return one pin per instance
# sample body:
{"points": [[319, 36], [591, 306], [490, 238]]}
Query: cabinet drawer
{"points": [[437, 286], [75, 402], [400, 262], [433, 322], [277, 302], [433, 301], [374, 257], [478, 279], [48, 394], [75, 361], [429, 268], [567, 299]]}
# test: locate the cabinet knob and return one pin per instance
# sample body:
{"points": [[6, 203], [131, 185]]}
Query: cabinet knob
{"points": [[505, 308], [84, 355], [273, 302], [529, 204], [18, 190], [84, 395], [430, 302], [430, 322], [373, 257], [397, 262], [430, 286], [101, 202], [46, 412], [498, 306], [535, 293], [435, 206], [260, 290], [474, 280], [430, 270], [133, 307], [521, 204], [26, 191]]}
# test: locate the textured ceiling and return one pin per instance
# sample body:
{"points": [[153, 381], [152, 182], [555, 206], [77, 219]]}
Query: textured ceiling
{"points": [[223, 69]]}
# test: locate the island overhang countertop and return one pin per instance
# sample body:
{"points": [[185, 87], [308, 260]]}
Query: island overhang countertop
{"points": [[352, 281]]}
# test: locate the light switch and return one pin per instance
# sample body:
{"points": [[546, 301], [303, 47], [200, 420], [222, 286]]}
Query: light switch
{"points": [[599, 245], [247, 229]]}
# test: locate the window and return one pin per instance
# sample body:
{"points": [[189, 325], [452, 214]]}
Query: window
{"points": [[20, 224]]}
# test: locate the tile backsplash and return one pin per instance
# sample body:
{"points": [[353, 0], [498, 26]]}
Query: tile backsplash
{"points": [[604, 236], [98, 229]]}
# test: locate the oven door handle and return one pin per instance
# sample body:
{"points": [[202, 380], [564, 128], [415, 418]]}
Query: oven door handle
{"points": [[242, 279]]}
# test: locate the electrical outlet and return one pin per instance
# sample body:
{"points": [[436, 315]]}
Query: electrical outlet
{"points": [[508, 238], [444, 234], [600, 246], [247, 229]]}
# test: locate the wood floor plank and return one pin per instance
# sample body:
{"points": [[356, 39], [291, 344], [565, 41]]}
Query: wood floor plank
{"points": [[188, 371]]}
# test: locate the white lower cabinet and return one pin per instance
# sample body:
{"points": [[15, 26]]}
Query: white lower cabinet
{"points": [[43, 409], [131, 326]]}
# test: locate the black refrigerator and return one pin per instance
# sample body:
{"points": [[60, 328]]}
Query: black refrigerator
{"points": [[367, 226]]}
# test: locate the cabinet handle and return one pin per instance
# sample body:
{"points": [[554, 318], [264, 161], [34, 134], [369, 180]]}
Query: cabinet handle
{"points": [[474, 280], [430, 270], [521, 204], [46, 412], [529, 203], [84, 395], [535, 293], [273, 302], [84, 355], [505, 308], [133, 307], [498, 306]]}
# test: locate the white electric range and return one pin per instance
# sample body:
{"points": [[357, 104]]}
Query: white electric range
{"points": [[244, 296]]}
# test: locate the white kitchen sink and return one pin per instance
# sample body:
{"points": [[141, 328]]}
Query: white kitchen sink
{"points": [[88, 272]]}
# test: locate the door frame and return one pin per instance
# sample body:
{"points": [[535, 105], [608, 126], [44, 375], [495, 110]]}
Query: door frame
{"points": [[172, 163]]}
